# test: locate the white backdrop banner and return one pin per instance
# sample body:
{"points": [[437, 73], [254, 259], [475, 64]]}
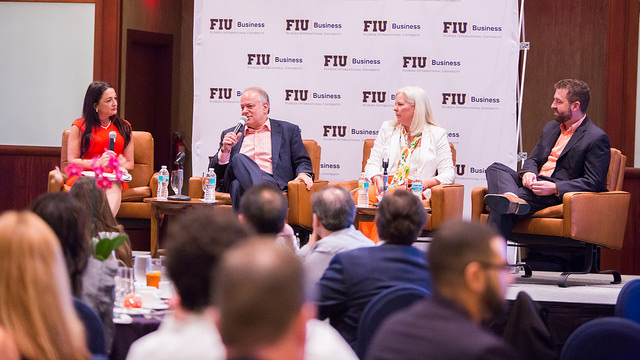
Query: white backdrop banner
{"points": [[333, 67]]}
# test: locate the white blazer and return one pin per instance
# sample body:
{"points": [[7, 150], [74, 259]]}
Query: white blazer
{"points": [[434, 153]]}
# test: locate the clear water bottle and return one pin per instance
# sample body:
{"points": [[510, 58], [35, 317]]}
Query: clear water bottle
{"points": [[209, 186], [363, 191], [163, 183], [416, 187]]}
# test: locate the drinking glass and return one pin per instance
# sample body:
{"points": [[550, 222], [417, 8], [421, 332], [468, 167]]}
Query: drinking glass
{"points": [[176, 181], [154, 272], [124, 284]]}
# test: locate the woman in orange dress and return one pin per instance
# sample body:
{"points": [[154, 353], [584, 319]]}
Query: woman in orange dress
{"points": [[89, 138]]}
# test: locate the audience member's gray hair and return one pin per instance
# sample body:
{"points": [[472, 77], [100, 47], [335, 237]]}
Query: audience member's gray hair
{"points": [[334, 207]]}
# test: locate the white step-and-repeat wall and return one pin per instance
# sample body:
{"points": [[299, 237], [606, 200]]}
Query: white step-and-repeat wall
{"points": [[333, 67]]}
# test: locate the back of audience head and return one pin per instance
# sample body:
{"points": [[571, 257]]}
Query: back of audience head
{"points": [[265, 208], [260, 295], [468, 258], [334, 207], [35, 297], [101, 219], [68, 220], [196, 242], [401, 217]]}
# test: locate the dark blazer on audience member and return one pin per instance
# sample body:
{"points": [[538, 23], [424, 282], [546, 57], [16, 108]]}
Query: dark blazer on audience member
{"points": [[289, 156], [354, 277], [436, 328]]}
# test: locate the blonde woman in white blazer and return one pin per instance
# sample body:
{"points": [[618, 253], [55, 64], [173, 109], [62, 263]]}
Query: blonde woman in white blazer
{"points": [[427, 151]]}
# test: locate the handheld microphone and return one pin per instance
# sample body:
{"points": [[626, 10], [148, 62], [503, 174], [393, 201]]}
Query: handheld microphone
{"points": [[180, 158], [112, 140], [385, 174], [241, 122]]}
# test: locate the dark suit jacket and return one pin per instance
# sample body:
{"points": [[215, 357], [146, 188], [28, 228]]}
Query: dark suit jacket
{"points": [[582, 165], [289, 156], [436, 328], [354, 277]]}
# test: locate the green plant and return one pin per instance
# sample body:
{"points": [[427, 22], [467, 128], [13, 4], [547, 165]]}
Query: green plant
{"points": [[103, 247]]}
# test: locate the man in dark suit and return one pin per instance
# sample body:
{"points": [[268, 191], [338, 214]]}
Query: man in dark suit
{"points": [[572, 154], [354, 277], [263, 151], [470, 278]]}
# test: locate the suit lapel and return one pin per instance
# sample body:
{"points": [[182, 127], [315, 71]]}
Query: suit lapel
{"points": [[580, 131], [276, 142]]}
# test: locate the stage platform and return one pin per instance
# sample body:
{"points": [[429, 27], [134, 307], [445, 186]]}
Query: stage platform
{"points": [[588, 297]]}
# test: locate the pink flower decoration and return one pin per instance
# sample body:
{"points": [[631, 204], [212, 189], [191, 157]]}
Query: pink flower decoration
{"points": [[103, 183], [97, 169], [114, 164], [73, 170]]}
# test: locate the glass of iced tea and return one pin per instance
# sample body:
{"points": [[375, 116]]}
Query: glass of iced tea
{"points": [[154, 271]]}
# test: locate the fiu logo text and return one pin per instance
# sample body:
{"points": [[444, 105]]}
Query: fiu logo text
{"points": [[296, 95], [334, 130], [258, 59], [453, 99], [460, 169], [375, 25], [456, 27], [374, 96], [335, 60], [220, 24], [297, 25], [415, 62], [220, 93]]}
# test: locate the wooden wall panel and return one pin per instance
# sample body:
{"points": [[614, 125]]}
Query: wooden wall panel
{"points": [[627, 260], [25, 171], [567, 41]]}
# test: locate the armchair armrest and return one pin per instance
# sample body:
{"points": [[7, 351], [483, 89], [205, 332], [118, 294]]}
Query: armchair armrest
{"points": [[153, 184], [54, 185], [195, 187], [597, 218], [300, 201], [477, 202], [349, 184], [447, 202]]}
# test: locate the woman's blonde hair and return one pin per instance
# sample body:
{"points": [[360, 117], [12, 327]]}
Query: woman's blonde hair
{"points": [[35, 298], [422, 115]]}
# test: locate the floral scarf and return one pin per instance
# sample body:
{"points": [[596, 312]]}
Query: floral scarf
{"points": [[402, 172]]}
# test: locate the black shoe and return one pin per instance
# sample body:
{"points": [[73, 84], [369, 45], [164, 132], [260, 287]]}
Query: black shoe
{"points": [[506, 204]]}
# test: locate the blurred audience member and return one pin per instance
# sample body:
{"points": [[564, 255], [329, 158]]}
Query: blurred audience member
{"points": [[354, 277], [68, 219], [260, 295], [36, 309], [470, 277], [101, 219], [264, 207], [196, 242], [333, 232]]}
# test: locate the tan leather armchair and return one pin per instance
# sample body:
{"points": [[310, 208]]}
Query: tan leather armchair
{"points": [[586, 219], [298, 195], [446, 200], [143, 184]]}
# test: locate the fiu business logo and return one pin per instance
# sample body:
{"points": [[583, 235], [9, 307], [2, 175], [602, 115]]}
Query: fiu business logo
{"points": [[464, 29], [342, 62], [454, 27], [334, 131], [258, 59], [456, 99], [375, 26], [307, 97], [374, 97], [430, 64], [297, 24], [220, 24], [336, 60], [223, 95]]}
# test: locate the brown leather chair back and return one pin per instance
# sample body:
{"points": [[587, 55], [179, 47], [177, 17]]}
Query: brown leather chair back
{"points": [[615, 176], [314, 151], [143, 157], [368, 145]]}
